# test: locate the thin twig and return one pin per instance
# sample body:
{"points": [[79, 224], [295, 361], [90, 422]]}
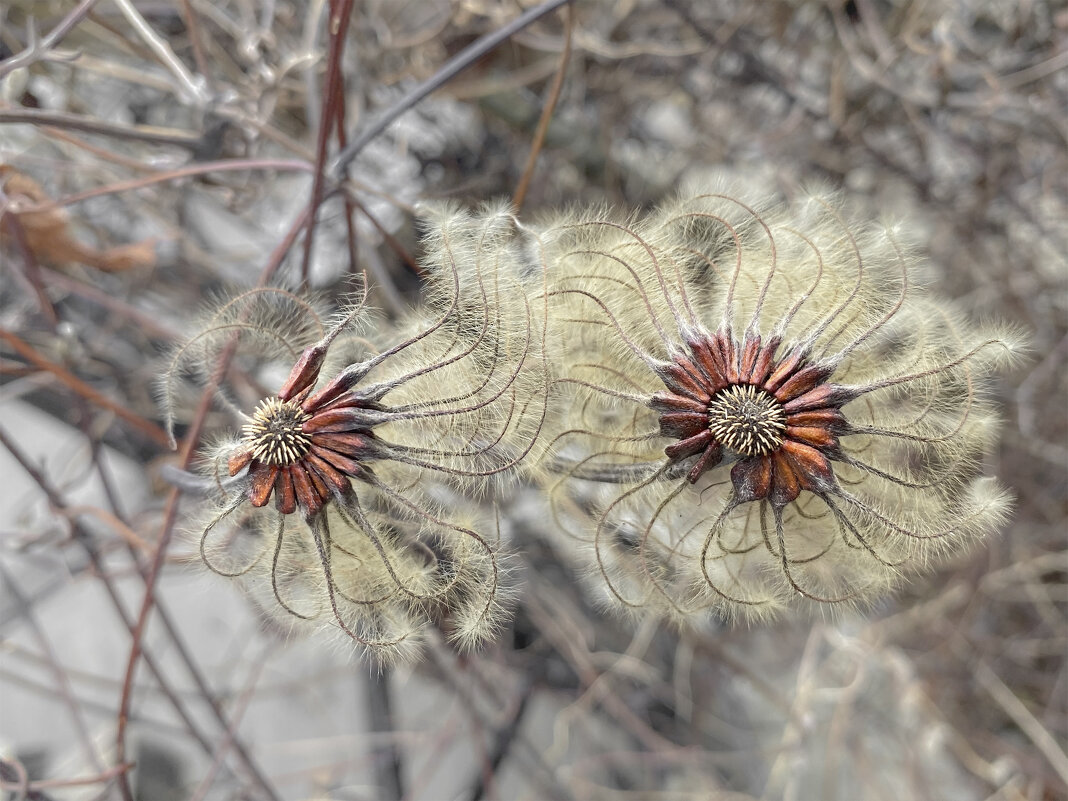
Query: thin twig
{"points": [[168, 623], [85, 540], [66, 692], [10, 222], [1045, 742], [391, 241], [506, 737], [546, 114], [72, 382], [79, 122], [230, 736], [119, 526], [150, 325], [33, 51], [337, 26], [15, 778], [350, 203], [386, 758], [170, 514], [547, 779], [230, 165], [58, 784], [195, 90], [192, 24], [461, 61]]}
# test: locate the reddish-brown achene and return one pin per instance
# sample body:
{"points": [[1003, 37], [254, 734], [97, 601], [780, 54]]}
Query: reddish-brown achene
{"points": [[777, 414], [302, 448]]}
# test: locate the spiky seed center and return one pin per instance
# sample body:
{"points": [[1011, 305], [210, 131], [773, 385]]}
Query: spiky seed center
{"points": [[746, 419], [275, 432]]}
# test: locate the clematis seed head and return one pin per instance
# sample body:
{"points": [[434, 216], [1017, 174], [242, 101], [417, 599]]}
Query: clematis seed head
{"points": [[765, 408]]}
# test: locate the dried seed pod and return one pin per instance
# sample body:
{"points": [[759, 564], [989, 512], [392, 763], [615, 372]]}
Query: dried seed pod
{"points": [[764, 406], [450, 401]]}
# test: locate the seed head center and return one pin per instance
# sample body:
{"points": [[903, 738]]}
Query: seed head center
{"points": [[746, 419], [275, 432]]}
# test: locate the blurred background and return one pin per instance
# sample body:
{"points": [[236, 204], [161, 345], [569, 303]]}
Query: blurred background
{"points": [[157, 155]]}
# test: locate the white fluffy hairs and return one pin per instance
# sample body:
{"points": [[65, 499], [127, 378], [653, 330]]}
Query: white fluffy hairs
{"points": [[263, 325], [383, 591], [419, 416], [890, 471], [469, 392]]}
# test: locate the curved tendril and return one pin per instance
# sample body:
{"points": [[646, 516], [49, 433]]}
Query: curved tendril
{"points": [[269, 290], [771, 548], [680, 284], [398, 453], [348, 503], [387, 386], [800, 510], [319, 529], [780, 327], [469, 448], [728, 306], [852, 500], [601, 523], [900, 481], [649, 361], [964, 414], [844, 520], [376, 360], [853, 293], [710, 264], [786, 562], [620, 374], [753, 325], [274, 572], [729, 551], [235, 502], [713, 535], [491, 595], [858, 340], [368, 602], [642, 559], [612, 393], [607, 474], [420, 410], [638, 281]]}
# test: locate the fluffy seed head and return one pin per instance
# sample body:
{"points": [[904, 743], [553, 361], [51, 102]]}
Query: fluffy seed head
{"points": [[765, 407], [746, 419], [353, 470], [275, 432]]}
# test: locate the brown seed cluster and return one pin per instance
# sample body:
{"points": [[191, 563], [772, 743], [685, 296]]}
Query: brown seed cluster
{"points": [[778, 414], [360, 456], [746, 419], [305, 448], [275, 433]]}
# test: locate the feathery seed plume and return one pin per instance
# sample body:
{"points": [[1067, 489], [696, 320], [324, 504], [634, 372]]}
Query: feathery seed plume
{"points": [[360, 468], [764, 407]]}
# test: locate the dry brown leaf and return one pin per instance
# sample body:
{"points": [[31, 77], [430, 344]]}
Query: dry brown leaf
{"points": [[48, 233]]}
